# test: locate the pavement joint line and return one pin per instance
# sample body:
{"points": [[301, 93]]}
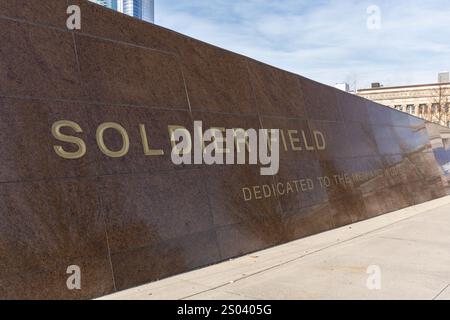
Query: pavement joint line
{"points": [[242, 295], [400, 239], [316, 251], [441, 292], [408, 240]]}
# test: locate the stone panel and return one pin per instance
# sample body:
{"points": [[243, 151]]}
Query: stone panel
{"points": [[47, 227], [121, 74], [107, 24], [276, 88], [37, 62], [45, 12], [216, 80]]}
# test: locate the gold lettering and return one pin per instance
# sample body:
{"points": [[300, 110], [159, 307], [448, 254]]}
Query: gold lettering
{"points": [[321, 145], [101, 143], [147, 150], [304, 185], [280, 189], [172, 129], [56, 131], [257, 191], [283, 139], [186, 135], [247, 194], [294, 140], [308, 147], [267, 192], [310, 184], [289, 188]]}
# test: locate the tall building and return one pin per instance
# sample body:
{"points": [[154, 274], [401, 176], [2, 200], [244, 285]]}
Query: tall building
{"points": [[141, 9], [106, 3], [427, 101], [343, 86], [148, 10]]}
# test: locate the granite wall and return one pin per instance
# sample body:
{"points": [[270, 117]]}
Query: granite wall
{"points": [[135, 219]]}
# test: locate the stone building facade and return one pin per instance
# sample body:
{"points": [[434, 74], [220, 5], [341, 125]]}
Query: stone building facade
{"points": [[430, 101]]}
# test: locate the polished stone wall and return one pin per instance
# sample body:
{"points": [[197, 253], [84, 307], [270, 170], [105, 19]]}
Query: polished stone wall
{"points": [[135, 219]]}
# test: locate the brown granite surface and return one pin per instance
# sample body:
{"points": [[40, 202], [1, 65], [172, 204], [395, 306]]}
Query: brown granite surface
{"points": [[138, 218]]}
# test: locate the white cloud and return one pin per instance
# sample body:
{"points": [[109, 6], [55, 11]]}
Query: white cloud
{"points": [[326, 40]]}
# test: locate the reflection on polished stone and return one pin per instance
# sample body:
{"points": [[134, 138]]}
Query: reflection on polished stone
{"points": [[133, 218]]}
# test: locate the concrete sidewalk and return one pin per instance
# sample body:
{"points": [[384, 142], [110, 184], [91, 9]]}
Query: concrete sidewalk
{"points": [[411, 247]]}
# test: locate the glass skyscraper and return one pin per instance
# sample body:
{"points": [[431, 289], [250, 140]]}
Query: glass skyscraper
{"points": [[141, 9], [107, 3], [148, 10]]}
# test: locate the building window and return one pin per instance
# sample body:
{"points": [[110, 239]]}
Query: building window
{"points": [[423, 109], [447, 108], [410, 108], [435, 108]]}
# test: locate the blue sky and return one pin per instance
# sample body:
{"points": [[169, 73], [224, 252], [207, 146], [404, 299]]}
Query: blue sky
{"points": [[325, 40]]}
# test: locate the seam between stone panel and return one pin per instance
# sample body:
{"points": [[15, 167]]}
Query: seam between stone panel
{"points": [[46, 26], [151, 245], [341, 115], [80, 79], [180, 66], [116, 104], [316, 154], [151, 173], [255, 102], [175, 56], [203, 173], [320, 163], [149, 48], [174, 53], [340, 111], [103, 214], [40, 25], [62, 262], [214, 227], [60, 265], [90, 102], [305, 109], [96, 180], [130, 44], [273, 116]]}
